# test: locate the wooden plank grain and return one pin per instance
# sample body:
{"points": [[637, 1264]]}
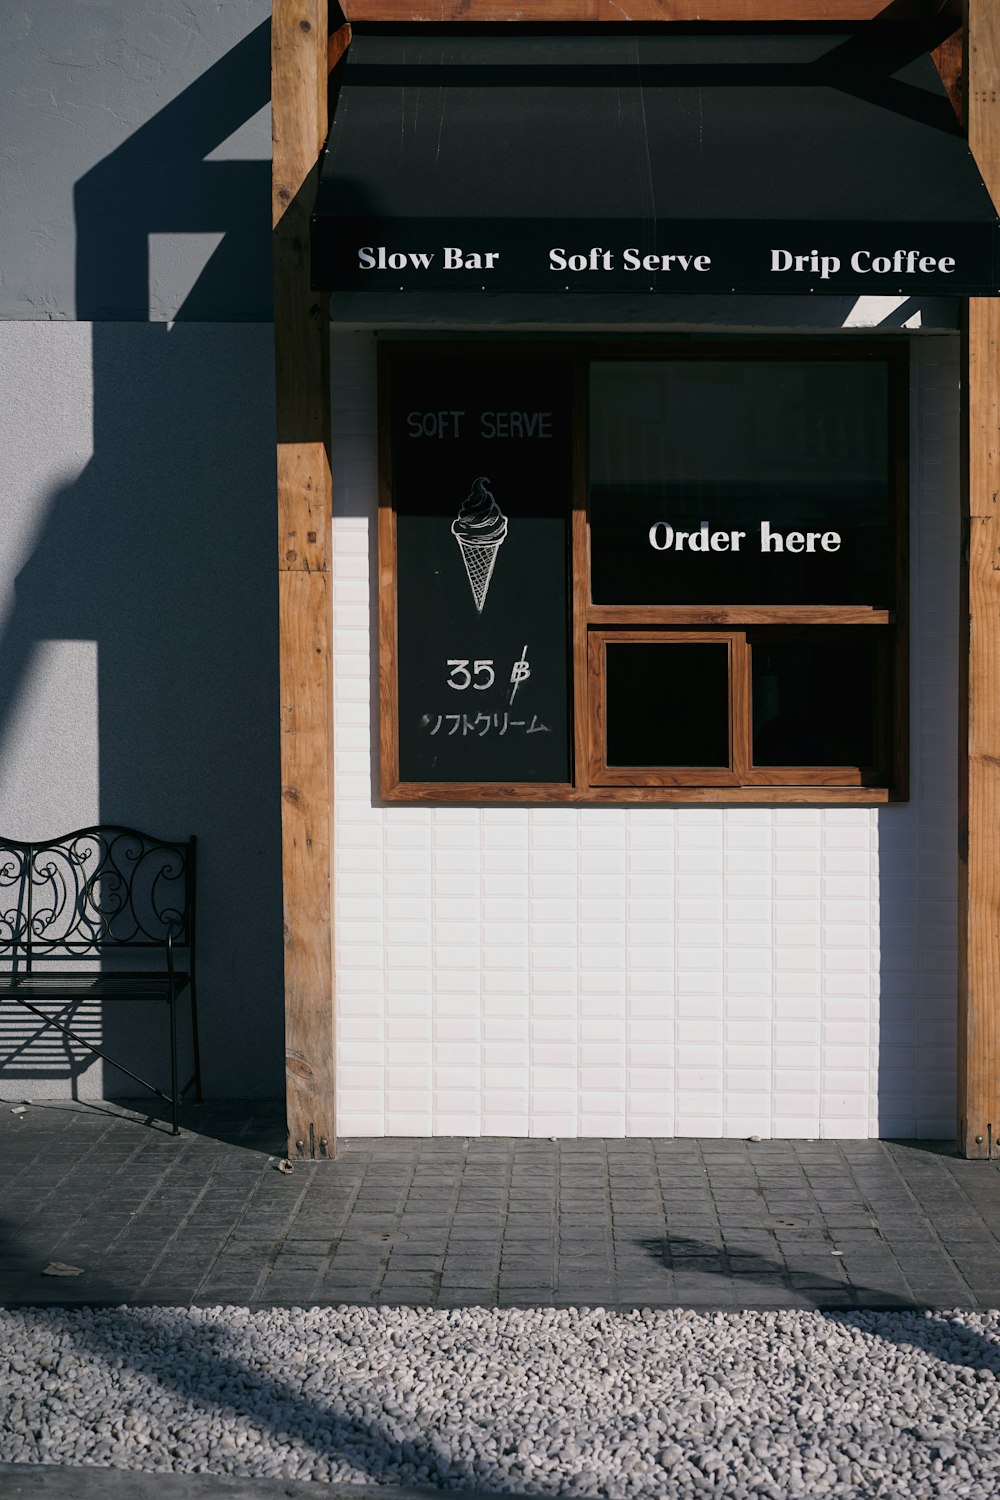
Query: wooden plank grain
{"points": [[307, 858], [740, 708], [301, 316], [949, 59], [761, 12], [337, 44], [475, 794], [299, 65], [388, 622], [979, 814], [696, 777], [979, 768], [736, 614], [472, 10]]}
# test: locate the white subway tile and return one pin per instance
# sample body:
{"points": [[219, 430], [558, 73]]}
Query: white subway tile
{"points": [[530, 906], [605, 1053], [401, 1006], [643, 1080], [553, 1054], [560, 1006], [504, 1059]]}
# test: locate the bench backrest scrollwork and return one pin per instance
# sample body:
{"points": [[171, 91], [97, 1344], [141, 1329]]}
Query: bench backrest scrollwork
{"points": [[92, 890]]}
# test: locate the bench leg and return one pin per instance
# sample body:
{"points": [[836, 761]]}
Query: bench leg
{"points": [[82, 1041], [174, 1101], [194, 1037]]}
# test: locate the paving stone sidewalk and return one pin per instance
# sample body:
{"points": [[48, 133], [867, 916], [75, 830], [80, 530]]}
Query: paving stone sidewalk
{"points": [[207, 1218]]}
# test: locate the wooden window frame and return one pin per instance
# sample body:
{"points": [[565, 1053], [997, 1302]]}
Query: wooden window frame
{"points": [[593, 625], [602, 775]]}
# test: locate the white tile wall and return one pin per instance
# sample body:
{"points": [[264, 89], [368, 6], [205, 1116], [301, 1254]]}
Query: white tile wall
{"points": [[652, 970]]}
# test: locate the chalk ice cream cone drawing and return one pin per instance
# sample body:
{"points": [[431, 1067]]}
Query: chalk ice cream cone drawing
{"points": [[480, 529]]}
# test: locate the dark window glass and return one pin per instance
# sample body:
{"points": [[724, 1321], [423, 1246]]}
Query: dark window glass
{"points": [[814, 701], [668, 704], [714, 448]]}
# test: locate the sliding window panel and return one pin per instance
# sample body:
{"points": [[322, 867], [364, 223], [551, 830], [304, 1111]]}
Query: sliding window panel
{"points": [[820, 706], [667, 709]]}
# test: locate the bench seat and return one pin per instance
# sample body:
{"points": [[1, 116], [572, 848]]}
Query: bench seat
{"points": [[139, 985]]}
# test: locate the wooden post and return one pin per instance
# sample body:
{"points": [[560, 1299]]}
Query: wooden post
{"points": [[979, 811], [299, 51]]}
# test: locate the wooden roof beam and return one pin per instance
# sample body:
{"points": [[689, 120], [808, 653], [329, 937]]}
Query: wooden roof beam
{"points": [[761, 12]]}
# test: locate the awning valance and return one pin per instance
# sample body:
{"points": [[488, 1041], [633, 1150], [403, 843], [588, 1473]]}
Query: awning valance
{"points": [[792, 161]]}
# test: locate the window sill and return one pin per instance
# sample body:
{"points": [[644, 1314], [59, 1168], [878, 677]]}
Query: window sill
{"points": [[738, 796]]}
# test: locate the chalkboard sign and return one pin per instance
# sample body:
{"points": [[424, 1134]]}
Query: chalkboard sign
{"points": [[480, 481]]}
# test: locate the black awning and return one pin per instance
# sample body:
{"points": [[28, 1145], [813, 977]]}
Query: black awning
{"points": [[792, 161]]}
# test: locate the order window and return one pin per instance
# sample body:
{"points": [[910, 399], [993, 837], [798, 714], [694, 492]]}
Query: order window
{"points": [[650, 574]]}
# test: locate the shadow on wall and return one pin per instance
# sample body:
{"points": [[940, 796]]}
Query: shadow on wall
{"points": [[917, 842], [162, 553], [918, 887]]}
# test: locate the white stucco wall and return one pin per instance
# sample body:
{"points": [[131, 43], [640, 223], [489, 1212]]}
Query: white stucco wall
{"points": [[137, 143], [46, 442], [138, 615], [139, 658], [571, 971]]}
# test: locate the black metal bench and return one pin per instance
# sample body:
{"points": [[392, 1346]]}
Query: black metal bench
{"points": [[74, 910]]}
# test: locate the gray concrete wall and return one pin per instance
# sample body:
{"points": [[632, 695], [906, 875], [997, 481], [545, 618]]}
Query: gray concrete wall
{"points": [[136, 159], [138, 620]]}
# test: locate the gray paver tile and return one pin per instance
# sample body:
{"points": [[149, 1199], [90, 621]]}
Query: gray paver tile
{"points": [[743, 1225], [524, 1297]]}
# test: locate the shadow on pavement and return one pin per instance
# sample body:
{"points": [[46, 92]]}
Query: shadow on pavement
{"points": [[258, 1126], [204, 1365], [215, 1376], [967, 1348]]}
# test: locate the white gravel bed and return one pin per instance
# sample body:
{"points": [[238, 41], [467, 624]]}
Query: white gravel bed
{"points": [[554, 1402]]}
